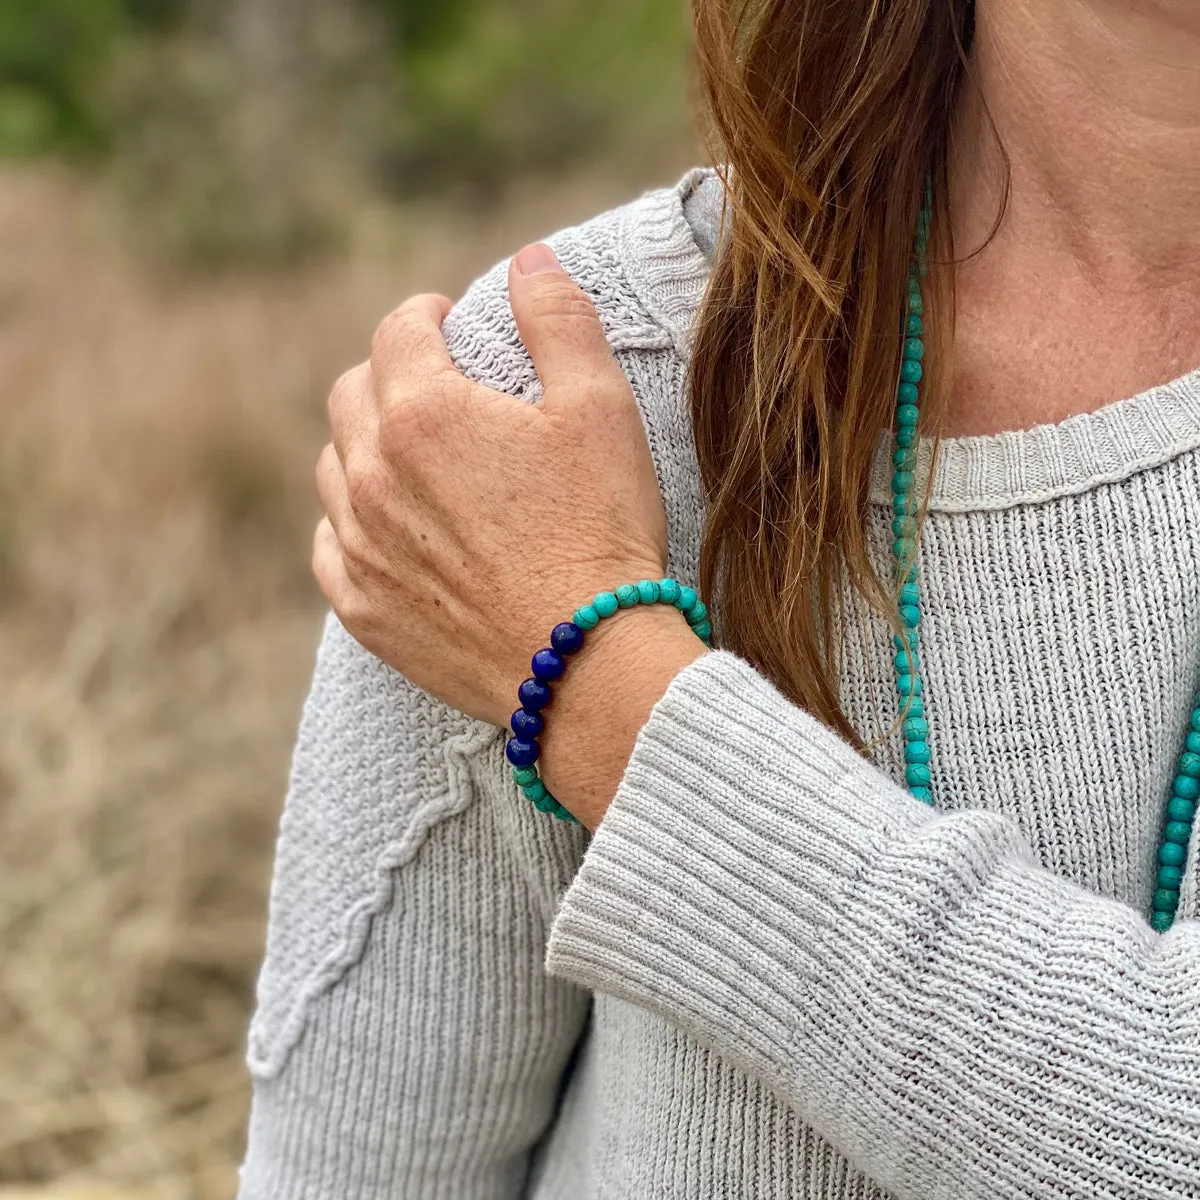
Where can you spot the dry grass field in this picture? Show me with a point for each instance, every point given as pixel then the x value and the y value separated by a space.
pixel 157 628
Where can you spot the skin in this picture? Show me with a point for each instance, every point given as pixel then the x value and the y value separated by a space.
pixel 436 556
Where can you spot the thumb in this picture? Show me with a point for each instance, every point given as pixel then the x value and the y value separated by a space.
pixel 557 322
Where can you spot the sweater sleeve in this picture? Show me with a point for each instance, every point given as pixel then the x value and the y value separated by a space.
pixel 958 1021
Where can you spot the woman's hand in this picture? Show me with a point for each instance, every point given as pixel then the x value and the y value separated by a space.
pixel 462 524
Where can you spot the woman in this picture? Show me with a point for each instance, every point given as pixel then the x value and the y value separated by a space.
pixel 808 949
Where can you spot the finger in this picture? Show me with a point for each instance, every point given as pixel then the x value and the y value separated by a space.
pixel 353 419
pixel 329 567
pixel 557 322
pixel 408 349
pixel 333 490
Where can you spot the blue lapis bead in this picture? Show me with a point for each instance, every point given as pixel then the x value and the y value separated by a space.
pixel 1178 832
pixel 915 326
pixel 605 603
pixel 1189 764
pixel 648 591
pixel 907 393
pixel 534 694
pixel 1179 809
pixel 922 793
pixel 547 666
pixel 586 617
pixel 1172 854
pixel 521 753
pixel 668 591
pixel 1170 877
pixel 914 349
pixel 527 725
pixel 566 638
pixel 910 372
pixel 917 775
pixel 687 599
pixel 1186 786
pixel 1161 922
pixel 916 752
pixel 627 595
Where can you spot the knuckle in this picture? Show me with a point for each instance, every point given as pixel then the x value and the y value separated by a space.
pixel 345 386
pixel 366 486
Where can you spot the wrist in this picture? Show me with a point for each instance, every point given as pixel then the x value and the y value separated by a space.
pixel 605 698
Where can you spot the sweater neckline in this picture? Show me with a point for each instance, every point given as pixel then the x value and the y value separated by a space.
pixel 977 472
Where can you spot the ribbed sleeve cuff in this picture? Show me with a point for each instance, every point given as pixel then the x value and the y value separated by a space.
pixel 712 890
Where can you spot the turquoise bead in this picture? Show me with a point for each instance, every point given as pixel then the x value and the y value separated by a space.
pixel 605 603
pixel 910 372
pixel 905 458
pixel 703 631
pixel 904 505
pixel 1186 786
pixel 1178 832
pixel 1189 764
pixel 907 685
pixel 1179 809
pixel 546 803
pixel 697 613
pixel 922 793
pixel 648 591
pixel 902 549
pixel 905 437
pixel 904 526
pixel 916 729
pixel 534 791
pixel 1172 854
pixel 902 660
pixel 907 416
pixel 913 706
pixel 916 327
pixel 1193 742
pixel 1161 922
pixel 525 775
pixel 910 594
pixel 914 349
pixel 1195 720
pixel 917 775
pixel 627 595
pixel 1170 877
pixel 668 591
pixel 912 637
pixel 902 481
pixel 907 393
pixel 687 599
pixel 910 615
pixel 916 752
pixel 1166 900
pixel 586 617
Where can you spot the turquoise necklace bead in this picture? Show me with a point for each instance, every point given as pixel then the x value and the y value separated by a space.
pixel 1180 813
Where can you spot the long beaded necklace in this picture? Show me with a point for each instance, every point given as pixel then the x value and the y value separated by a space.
pixel 1185 789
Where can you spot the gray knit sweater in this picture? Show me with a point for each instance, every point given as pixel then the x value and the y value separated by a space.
pixel 771 973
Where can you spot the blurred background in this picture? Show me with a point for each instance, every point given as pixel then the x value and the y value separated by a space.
pixel 205 208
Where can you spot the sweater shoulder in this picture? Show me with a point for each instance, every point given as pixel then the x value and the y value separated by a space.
pixel 640 264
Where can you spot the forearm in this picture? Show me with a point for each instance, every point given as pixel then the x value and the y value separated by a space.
pixel 957 1020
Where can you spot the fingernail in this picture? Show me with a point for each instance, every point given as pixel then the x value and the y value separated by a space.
pixel 537 260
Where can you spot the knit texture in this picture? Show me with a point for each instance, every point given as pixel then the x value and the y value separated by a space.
pixel 771 973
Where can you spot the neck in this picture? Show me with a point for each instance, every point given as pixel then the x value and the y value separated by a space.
pixel 1097 104
pixel 1088 291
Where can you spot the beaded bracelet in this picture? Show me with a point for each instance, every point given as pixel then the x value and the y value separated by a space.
pixel 549 664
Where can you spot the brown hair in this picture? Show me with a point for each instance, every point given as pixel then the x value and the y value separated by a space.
pixel 829 117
